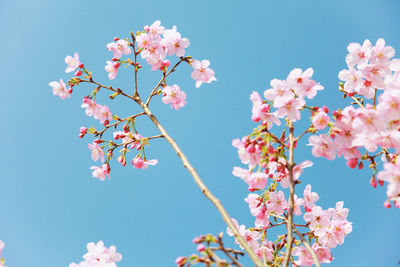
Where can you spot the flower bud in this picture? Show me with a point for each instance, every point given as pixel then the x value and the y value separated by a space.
pixel 352 163
pixel 381 182
pixel 78 73
pixel 122 160
pixel 386 204
pixel 373 182
pixel 116 39
pixel 81 66
pixel 201 248
pixel 180 261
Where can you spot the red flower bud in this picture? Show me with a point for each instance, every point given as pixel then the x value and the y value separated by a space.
pixel 373 182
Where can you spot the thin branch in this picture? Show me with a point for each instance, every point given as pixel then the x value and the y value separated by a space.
pixel 305 243
pixel 135 62
pixel 289 225
pixel 164 77
pixel 221 247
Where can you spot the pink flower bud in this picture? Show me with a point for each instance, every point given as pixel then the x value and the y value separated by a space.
pixel 201 248
pixel 381 182
pixel 70 90
pixel 106 122
pixel 352 163
pixel 116 39
pixel 78 73
pixel 386 204
pixel 98 141
pixel 81 66
pixel 180 261
pixel 122 160
pixel 82 132
pixel 198 239
pixel 373 182
pixel 138 163
pixel 397 204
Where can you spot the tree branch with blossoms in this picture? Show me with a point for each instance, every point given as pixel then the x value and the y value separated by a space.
pixel 268 151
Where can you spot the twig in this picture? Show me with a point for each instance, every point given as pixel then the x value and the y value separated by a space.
pixel 289 225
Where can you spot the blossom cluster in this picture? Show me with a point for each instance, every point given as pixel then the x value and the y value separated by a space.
pixel 268 169
pixel 99 256
pixel 208 246
pixel 153 44
pixel 372 125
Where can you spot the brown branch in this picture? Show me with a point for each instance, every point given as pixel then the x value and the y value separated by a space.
pixel 223 249
pixel 164 77
pixel 289 225
pixel 305 243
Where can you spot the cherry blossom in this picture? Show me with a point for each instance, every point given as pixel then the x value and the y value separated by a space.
pixel 202 73
pixel 72 62
pixel 112 69
pixel 99 256
pixel 97 152
pixel 101 172
pixel 119 48
pixel 60 89
pixel 175 96
pixel 140 163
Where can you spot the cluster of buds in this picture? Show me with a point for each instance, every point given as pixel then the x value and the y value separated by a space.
pixel 211 250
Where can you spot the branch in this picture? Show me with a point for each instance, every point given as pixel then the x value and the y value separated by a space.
pixel 305 243
pixel 163 78
pixel 289 225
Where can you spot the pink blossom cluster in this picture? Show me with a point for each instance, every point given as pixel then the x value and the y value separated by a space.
pixel 267 161
pixel 99 112
pixel 373 126
pixel 156 42
pixel 286 96
pixel 175 96
pixel 99 256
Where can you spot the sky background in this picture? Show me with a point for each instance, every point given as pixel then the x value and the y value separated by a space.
pixel 51 207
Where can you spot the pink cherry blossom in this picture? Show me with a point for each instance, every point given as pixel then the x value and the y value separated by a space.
pixel 103 114
pixel 291 109
pixel 321 120
pixel 72 62
pixel 309 198
pixel 302 83
pixel 324 255
pixel 140 163
pixel 60 89
pixel 323 146
pixel 202 73
pixel 99 256
pixel 317 217
pixel 174 95
pixel 97 152
pixel 382 54
pixel 391 174
pixel 358 54
pixel 155 30
pixel 257 180
pixel 112 69
pixel 280 93
pixel 119 48
pixel 101 172
pixel 174 43
pixel 90 105
pixel 277 202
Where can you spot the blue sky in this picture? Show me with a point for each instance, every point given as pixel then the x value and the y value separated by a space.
pixel 51 206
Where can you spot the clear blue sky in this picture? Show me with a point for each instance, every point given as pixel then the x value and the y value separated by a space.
pixel 51 206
